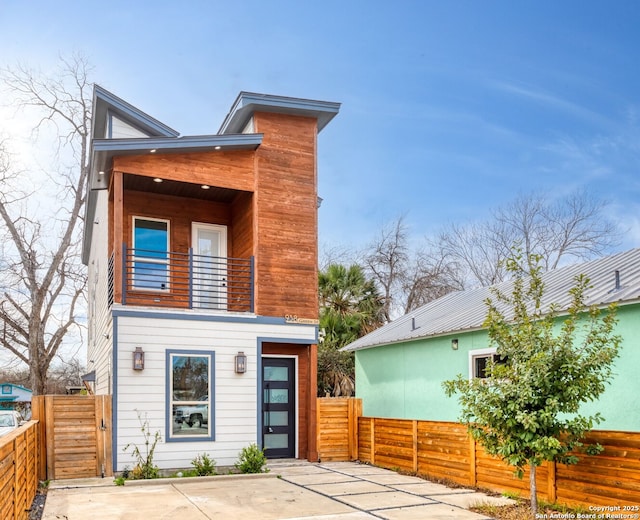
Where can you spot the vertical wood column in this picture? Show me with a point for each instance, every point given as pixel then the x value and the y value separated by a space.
pixel 312 425
pixel 118 233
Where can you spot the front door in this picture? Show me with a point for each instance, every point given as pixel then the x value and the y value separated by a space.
pixel 278 407
pixel 209 266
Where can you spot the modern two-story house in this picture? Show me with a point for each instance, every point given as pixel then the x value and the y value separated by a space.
pixel 202 260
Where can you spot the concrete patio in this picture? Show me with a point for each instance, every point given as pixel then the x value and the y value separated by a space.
pixel 292 490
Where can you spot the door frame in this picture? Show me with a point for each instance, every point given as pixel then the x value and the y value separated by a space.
pixel 296 432
pixel 223 253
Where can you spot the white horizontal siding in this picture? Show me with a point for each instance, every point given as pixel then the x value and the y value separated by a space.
pixel 120 129
pixel 236 400
pixel 100 322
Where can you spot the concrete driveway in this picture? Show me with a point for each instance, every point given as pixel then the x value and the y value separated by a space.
pixel 292 490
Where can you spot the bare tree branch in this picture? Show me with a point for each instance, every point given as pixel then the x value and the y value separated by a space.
pixel 574 227
pixel 42 252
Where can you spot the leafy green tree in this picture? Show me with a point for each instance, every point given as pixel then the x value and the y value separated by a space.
pixel 528 409
pixel 350 307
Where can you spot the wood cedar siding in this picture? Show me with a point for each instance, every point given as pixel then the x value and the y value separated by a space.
pixel 286 219
pixel 306 393
pixel 181 212
pixel 233 170
pixel 241 233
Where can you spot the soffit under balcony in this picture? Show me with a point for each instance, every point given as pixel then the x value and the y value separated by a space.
pixel 178 189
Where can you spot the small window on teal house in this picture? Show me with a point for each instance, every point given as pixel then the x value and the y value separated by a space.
pixel 6 389
pixel 478 361
pixel 190 396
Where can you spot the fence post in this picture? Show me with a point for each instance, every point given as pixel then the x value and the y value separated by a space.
pixel 37 414
pixel 352 422
pixel 373 441
pixel 551 481
pixel 415 446
pixel 50 433
pixel 472 461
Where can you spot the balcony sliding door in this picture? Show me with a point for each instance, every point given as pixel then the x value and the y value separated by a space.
pixel 209 266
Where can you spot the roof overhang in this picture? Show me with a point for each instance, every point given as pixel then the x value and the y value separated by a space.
pixel 247 103
pixel 104 150
pixel 104 103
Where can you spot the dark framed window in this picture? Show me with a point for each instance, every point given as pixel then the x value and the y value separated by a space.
pixel 190 395
pixel 151 253
pixel 478 361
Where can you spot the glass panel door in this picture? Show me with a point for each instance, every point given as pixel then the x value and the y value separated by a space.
pixel 209 266
pixel 278 407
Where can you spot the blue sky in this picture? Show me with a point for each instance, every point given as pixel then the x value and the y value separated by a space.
pixel 449 108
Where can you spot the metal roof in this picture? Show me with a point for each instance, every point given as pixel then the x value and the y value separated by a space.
pixel 463 311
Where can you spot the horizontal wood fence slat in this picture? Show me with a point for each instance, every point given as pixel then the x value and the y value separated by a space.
pixel 19 471
pixel 337 426
pixel 445 450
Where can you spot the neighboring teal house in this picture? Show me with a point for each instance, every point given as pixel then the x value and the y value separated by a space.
pixel 12 395
pixel 400 367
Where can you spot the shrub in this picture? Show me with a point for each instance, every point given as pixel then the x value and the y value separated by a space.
pixel 204 465
pixel 252 460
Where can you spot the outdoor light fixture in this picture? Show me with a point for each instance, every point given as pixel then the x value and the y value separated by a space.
pixel 241 363
pixel 454 344
pixel 157 179
pixel 138 359
pixel 205 186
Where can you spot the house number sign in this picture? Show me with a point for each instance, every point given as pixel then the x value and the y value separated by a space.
pixel 293 318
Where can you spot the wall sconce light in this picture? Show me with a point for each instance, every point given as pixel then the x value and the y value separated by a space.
pixel 454 344
pixel 138 359
pixel 241 363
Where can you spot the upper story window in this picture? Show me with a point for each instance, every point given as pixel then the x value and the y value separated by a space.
pixel 151 253
pixel 478 360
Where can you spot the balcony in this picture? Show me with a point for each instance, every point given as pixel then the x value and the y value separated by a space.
pixel 182 280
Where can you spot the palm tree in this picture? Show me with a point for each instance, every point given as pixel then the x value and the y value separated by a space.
pixel 350 307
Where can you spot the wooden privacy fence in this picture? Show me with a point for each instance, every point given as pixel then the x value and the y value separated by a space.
pixel 19 471
pixel 445 450
pixel 77 429
pixel 337 426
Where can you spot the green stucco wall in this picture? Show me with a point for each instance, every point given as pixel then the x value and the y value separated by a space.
pixel 404 381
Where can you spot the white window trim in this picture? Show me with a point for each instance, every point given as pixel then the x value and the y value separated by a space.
pixel 151 260
pixel 473 354
pixel 210 436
